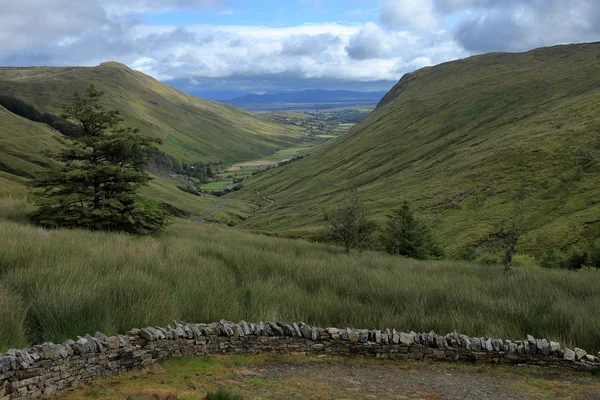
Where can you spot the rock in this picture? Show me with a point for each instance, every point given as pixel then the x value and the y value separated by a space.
pixel 306 332
pixel 112 342
pixel 554 346
pixel 377 336
pixel 569 354
pixel 146 334
pixel 363 336
pixel 406 339
pixel 277 331
pixel 590 358
pixel 579 353
pixel 245 328
pixel 353 336
pixel 395 337
pixel 531 339
pixel 333 331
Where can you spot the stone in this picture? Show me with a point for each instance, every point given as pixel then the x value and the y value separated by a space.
pixel 296 329
pixel 406 338
pixel 306 332
pixel 554 346
pixel 245 328
pixel 333 331
pixel 146 334
pixel 579 353
pixel 276 329
pixel 590 358
pixel 353 336
pixel 569 354
pixel 377 335
pixel 344 334
pixel 395 337
pixel 112 342
pixel 363 336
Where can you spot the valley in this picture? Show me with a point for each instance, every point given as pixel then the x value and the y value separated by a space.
pixel 239 209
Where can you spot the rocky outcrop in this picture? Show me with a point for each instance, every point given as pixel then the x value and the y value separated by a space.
pixel 46 368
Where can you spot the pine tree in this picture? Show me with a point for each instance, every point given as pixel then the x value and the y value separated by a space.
pixel 98 185
pixel 405 235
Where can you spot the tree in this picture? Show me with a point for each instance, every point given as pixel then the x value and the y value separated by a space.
pixel 406 235
pixel 509 239
pixel 97 187
pixel 349 225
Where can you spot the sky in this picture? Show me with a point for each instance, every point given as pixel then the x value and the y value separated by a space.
pixel 224 47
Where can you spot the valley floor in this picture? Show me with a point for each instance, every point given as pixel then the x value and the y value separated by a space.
pixel 300 377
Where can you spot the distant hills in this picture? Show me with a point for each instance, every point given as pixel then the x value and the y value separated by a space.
pixel 307 100
pixel 192 129
pixel 460 141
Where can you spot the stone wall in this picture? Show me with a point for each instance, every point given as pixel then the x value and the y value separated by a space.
pixel 50 367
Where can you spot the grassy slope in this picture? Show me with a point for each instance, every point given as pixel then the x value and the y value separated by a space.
pixel 59 284
pixel 459 140
pixel 191 128
pixel 23 142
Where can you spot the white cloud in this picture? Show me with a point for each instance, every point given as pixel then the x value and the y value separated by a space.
pixel 413 34
pixel 415 14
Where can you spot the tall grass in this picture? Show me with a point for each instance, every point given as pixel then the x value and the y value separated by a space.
pixel 59 284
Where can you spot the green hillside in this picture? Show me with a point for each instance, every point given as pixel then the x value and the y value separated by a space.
pixel 22 147
pixel 192 129
pixel 460 140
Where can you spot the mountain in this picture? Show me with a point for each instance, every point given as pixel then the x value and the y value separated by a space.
pixel 307 99
pixel 460 141
pixel 192 129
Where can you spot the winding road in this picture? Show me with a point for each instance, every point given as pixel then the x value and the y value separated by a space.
pixel 211 212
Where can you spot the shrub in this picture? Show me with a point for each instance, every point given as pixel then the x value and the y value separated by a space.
pixel 554 259
pixel 489 259
pixel 466 253
pixel 525 261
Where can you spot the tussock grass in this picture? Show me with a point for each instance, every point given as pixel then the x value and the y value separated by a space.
pixel 59 284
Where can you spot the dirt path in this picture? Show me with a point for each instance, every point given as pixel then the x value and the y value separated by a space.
pixel 266 198
pixel 301 377
pixel 211 212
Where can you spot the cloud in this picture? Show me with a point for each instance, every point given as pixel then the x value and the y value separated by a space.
pixel 522 25
pixel 410 34
pixel 416 14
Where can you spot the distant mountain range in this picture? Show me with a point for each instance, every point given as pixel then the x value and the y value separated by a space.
pixel 306 100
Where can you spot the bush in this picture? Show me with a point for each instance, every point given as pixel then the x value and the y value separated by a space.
pixel 466 253
pixel 555 259
pixel 489 259
pixel 221 394
pixel 525 261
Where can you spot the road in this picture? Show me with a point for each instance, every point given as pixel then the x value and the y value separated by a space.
pixel 211 212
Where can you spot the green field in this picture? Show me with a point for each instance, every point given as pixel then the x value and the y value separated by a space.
pixel 58 284
pixel 215 185
pixel 460 141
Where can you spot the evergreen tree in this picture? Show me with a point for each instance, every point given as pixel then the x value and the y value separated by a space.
pixel 98 185
pixel 405 235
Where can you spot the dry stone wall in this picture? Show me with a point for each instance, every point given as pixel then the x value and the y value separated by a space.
pixel 49 367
